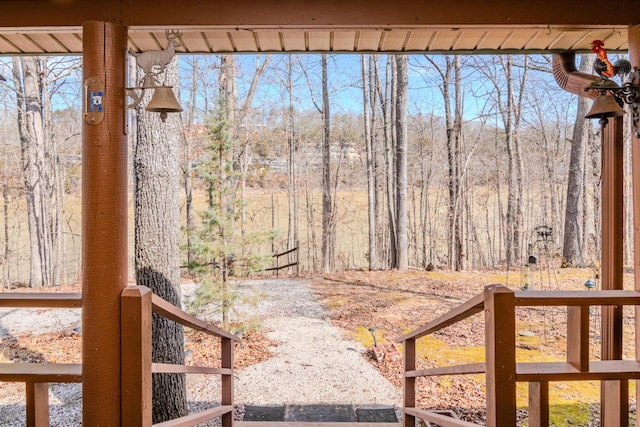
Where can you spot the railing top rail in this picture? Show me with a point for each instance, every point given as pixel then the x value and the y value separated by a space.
pixel 576 298
pixel 172 312
pixel 40 300
pixel 441 419
pixel 194 419
pixel 461 312
pixel 529 299
pixel 41 372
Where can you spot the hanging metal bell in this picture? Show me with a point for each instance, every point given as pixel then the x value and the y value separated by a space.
pixel 605 105
pixel 164 101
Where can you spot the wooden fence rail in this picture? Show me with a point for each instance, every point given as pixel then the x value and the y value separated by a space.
pixel 502 370
pixel 278 267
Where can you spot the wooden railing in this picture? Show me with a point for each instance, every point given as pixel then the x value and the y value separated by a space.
pixel 500 366
pixel 37 376
pixel 137 305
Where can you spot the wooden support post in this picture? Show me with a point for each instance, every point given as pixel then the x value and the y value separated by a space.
pixel 104 219
pixel 634 57
pixel 227 380
pixel 614 405
pixel 136 310
pixel 500 330
pixel 538 404
pixel 37 404
pixel 409 393
pixel 578 337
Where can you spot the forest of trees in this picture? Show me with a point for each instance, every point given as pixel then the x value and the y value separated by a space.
pixel 380 161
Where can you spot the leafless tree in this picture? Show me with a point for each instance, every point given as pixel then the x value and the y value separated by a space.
pixel 43 179
pixel 402 145
pixel 371 155
pixel 572 247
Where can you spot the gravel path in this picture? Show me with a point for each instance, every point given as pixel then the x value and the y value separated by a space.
pixel 313 363
pixel 23 321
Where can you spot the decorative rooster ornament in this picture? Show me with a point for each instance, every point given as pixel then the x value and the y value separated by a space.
pixel 603 67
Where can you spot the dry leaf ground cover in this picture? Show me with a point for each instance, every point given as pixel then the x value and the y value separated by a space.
pixel 396 303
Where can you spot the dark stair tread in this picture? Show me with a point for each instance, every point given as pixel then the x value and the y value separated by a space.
pixel 318 413
pixel 263 413
pixel 376 415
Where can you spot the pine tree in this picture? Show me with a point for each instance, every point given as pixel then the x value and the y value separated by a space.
pixel 218 237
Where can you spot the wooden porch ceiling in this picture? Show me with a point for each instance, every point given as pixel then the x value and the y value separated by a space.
pixel 251 26
pixel 347 40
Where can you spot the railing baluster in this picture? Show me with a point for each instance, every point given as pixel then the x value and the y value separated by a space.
pixel 578 337
pixel 409 393
pixel 227 380
pixel 538 404
pixel 136 309
pixel 500 339
pixel 37 404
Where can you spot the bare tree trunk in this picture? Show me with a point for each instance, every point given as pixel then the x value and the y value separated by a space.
pixel 328 221
pixel 453 182
pixel 453 121
pixel 584 218
pixel 54 189
pixel 292 189
pixel 241 135
pixel 458 200
pixel 371 181
pixel 375 151
pixel 511 114
pixel 402 147
pixel 187 166
pixel 387 100
pixel 5 211
pixel 156 167
pixel 39 163
pixel 595 160
pixel 426 171
pixel 571 249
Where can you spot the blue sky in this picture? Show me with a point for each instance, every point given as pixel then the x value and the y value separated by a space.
pixel 425 84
